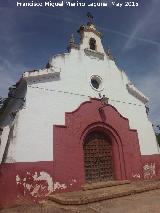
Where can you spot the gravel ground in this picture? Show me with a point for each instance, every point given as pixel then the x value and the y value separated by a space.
pixel 148 202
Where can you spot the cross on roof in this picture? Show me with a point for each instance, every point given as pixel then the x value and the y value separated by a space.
pixel 90 17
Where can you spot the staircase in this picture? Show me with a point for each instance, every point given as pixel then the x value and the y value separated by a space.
pixel 95 192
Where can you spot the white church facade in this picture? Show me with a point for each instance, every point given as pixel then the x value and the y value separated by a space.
pixel 78 120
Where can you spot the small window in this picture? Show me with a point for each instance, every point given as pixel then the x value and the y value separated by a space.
pixel 92 44
pixel 96 82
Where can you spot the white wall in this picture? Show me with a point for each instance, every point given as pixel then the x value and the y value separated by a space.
pixel 4 138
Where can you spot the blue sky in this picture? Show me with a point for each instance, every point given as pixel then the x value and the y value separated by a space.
pixel 30 36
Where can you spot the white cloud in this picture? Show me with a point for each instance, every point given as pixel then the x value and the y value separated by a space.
pixel 125 35
pixel 147 23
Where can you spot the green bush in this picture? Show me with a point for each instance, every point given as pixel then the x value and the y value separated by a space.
pixel 158 138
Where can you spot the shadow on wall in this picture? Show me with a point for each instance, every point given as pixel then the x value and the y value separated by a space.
pixel 9 116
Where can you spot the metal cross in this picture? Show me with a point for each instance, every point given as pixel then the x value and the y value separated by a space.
pixel 90 17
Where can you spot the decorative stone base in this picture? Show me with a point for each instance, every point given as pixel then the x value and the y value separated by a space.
pixel 98 185
pixel 91 196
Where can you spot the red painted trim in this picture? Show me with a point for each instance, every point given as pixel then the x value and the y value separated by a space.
pixel 11 189
pixel 151 166
pixel 68 143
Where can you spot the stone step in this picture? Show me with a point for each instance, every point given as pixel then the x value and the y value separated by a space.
pixel 103 184
pixel 91 196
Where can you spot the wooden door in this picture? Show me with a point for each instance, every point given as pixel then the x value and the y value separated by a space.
pixel 98 158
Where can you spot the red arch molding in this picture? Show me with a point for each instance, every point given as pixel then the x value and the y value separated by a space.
pixel 68 143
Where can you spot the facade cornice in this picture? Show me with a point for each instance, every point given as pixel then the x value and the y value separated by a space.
pixel 109 55
pixel 136 93
pixel 93 53
pixel 73 46
pixel 48 72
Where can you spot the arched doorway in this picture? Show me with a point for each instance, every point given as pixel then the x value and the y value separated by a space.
pixel 98 160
